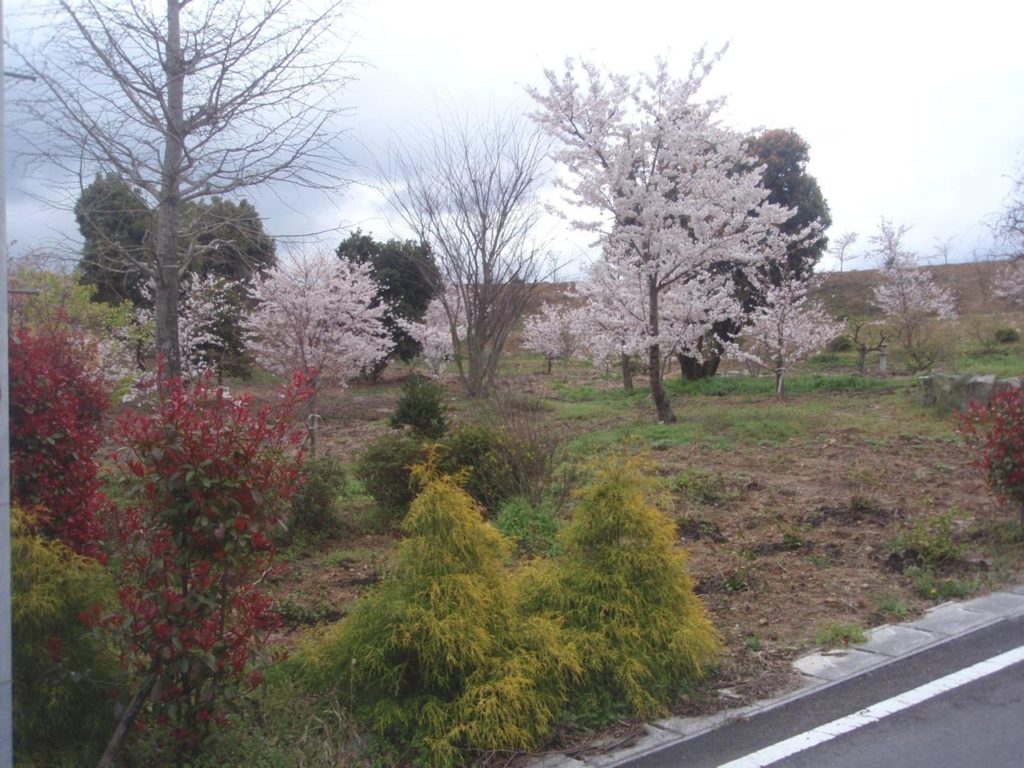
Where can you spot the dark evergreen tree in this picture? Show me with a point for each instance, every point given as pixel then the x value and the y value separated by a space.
pixel 408 277
pixel 784 155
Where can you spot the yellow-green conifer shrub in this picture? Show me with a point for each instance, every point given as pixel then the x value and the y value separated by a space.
pixel 63 672
pixel 437 657
pixel 623 591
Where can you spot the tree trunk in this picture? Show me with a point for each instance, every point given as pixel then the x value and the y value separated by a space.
pixel 862 359
pixel 168 262
pixel 661 402
pixel 627 372
pixel 780 382
pixel 693 369
pixel 549 366
pixel 665 413
pixel 128 719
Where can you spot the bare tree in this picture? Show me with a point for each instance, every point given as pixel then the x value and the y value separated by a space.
pixel 842 248
pixel 469 192
pixel 1010 226
pixel 196 99
pixel 942 248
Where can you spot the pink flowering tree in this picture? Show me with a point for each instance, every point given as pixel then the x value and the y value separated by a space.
pixel 319 316
pixel 1010 282
pixel 435 334
pixel 611 324
pixel 209 308
pixel 554 332
pixel 667 189
pixel 910 297
pixel 785 330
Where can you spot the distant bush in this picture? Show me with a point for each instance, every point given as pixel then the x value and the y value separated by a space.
pixel 1007 335
pixel 531 526
pixel 314 505
pixel 385 470
pixel 63 672
pixel 438 658
pixel 625 597
pixel 841 344
pixel 529 445
pixel 421 407
pixel 481 452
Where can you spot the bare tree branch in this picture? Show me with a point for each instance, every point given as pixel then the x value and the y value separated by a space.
pixel 469 192
pixel 197 99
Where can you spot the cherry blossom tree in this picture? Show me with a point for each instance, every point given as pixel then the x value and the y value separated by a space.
pixel 669 191
pixel 319 316
pixel 554 332
pixel 909 297
pixel 1010 282
pixel 208 306
pixel 612 326
pixel 786 330
pixel 435 334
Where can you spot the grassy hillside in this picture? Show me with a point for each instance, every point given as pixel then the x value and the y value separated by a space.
pixel 849 293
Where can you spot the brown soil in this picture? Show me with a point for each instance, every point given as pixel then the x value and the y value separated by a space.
pixel 801 538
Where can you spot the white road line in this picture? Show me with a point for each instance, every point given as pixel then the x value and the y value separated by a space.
pixel 876 712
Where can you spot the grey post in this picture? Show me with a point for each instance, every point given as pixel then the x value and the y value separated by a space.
pixel 6 703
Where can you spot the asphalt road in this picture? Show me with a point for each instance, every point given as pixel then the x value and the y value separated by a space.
pixel 977 724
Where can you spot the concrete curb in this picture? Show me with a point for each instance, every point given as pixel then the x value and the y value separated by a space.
pixel 886 644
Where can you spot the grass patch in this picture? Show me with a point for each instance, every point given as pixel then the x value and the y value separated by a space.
pixel 932 586
pixel 796 384
pixel 834 634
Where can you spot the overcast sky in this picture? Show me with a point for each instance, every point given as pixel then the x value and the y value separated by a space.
pixel 914 111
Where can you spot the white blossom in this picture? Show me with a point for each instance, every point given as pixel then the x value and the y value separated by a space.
pixel 555 332
pixel 319 315
pixel 669 191
pixel 785 330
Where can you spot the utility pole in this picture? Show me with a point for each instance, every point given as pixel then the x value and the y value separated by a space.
pixel 6 698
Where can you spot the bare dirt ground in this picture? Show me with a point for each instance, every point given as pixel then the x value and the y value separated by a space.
pixel 783 540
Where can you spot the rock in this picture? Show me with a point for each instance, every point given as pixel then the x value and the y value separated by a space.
pixel 956 392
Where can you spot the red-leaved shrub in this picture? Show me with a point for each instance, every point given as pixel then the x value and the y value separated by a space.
pixel 206 478
pixel 57 400
pixel 996 435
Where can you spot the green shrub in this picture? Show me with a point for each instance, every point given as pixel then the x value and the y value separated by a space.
pixel 625 597
pixel 700 486
pixel 1007 335
pixel 931 586
pixel 63 673
pixel 480 450
pixel 421 407
pixel 437 657
pixel 928 542
pixel 385 470
pixel 841 344
pixel 529 444
pixel 314 506
pixel 531 526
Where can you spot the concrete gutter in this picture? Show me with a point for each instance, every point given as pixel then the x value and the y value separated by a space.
pixel 885 645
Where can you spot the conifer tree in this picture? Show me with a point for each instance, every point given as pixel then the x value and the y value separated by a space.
pixel 438 657
pixel 622 589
